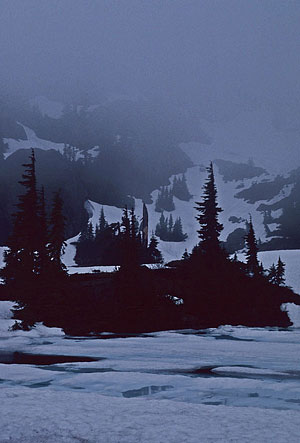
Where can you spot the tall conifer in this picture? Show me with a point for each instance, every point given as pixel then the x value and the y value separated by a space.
pixel 280 271
pixel 208 213
pixel 22 257
pixel 253 266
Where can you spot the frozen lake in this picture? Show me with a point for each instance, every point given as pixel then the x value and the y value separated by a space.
pixel 231 384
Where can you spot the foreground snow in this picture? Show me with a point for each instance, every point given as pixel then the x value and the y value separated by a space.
pixel 72 417
pixel 217 385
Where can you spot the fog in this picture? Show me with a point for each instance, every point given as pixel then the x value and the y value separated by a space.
pixel 206 53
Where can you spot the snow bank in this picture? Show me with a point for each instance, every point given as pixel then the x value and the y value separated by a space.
pixel 151 388
pixel 72 416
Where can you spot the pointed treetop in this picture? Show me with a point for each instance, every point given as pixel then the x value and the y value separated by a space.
pixel 208 213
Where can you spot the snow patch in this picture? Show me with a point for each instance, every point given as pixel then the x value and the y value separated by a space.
pixel 32 142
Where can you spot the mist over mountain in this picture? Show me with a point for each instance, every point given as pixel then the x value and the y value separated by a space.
pixel 201 54
pixel 119 97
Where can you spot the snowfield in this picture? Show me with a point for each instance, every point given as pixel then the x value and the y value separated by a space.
pixel 93 418
pixel 217 385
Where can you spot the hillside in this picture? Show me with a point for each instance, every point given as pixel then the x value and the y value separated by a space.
pixel 123 151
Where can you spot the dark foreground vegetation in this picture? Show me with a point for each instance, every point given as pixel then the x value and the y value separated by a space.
pixel 204 289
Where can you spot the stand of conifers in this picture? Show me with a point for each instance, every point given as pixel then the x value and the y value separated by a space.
pixel 204 289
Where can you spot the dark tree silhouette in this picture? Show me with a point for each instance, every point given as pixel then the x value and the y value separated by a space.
pixel 145 223
pixel 129 241
pixel 162 227
pixel 280 273
pixel 208 212
pixel 102 221
pixel 164 201
pixel 167 230
pixel 177 231
pixel 153 254
pixel 271 274
pixel 253 266
pixel 22 258
pixel 180 189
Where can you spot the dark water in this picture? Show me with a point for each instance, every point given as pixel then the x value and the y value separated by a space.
pixel 21 358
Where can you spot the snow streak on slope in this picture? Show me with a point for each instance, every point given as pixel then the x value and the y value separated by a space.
pixel 32 142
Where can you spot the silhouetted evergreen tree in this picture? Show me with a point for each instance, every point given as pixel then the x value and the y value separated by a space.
pixel 253 265
pixel 170 223
pixel 116 243
pixel 22 262
pixel 208 213
pixel 177 232
pixel 144 226
pixel 180 189
pixel 164 201
pixel 167 230
pixel 162 227
pixel 102 221
pixel 133 226
pixel 272 274
pixel 280 273
pixel 129 240
pixel 153 254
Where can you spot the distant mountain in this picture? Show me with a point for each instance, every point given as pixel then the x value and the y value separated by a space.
pixel 122 152
pixel 108 153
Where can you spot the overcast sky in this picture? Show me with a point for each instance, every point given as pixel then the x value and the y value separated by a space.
pixel 202 50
